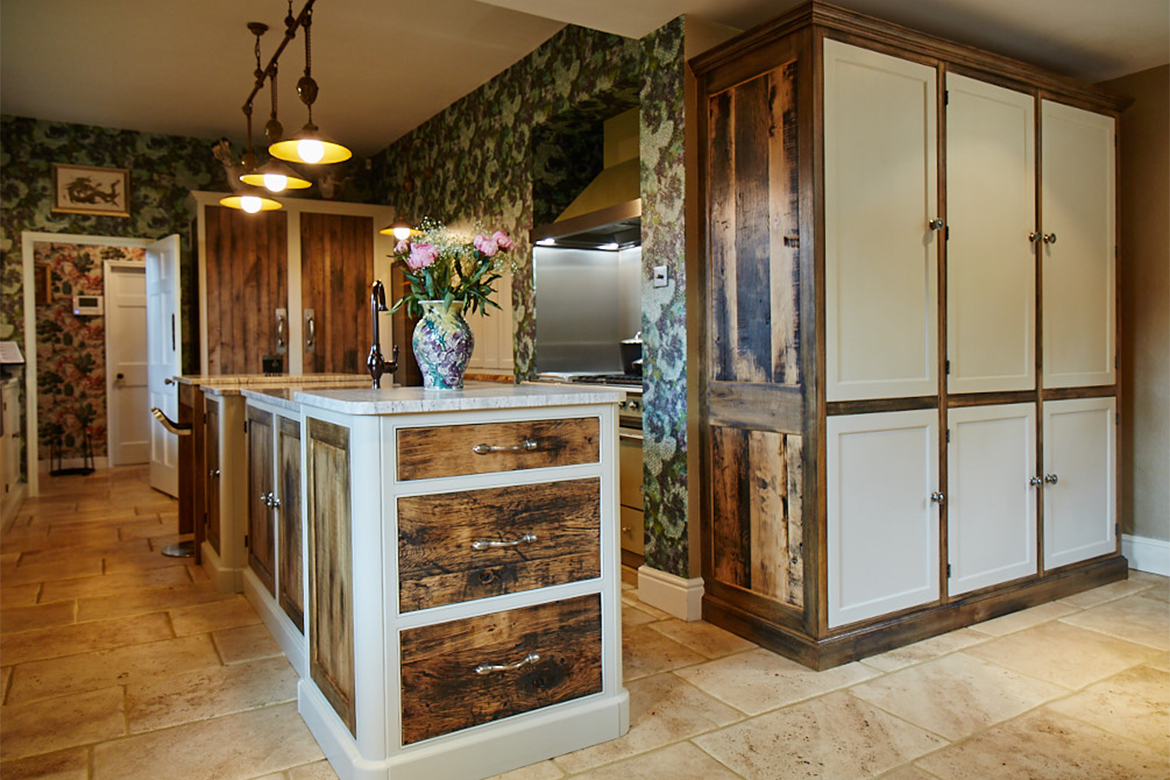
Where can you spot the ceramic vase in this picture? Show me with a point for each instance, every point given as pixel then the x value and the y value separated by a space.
pixel 442 343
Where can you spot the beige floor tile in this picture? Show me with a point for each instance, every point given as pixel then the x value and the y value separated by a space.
pixel 1136 618
pixel 49 573
pixel 5 679
pixel 208 693
pixel 645 652
pixel 925 650
pixel 631 597
pixel 711 641
pixel 65 524
pixel 1106 593
pixel 123 665
pixel 1161 662
pixel 683 761
pixel 141 561
pixel 1064 654
pixel 1161 585
pixel 69 556
pixel 20 595
pixel 318 770
pixel 1025 618
pixel 632 616
pixel 663 709
pixel 1045 745
pixel 908 772
pixel 9 558
pixel 83 538
pixel 219 615
pixel 545 770
pixel 147 530
pixel 92 587
pixel 57 724
pixel 833 736
pixel 70 764
pixel 78 638
pixel 759 680
pixel 234 747
pixel 956 695
pixel 148 600
pixel 246 643
pixel 15 619
pixel 1134 704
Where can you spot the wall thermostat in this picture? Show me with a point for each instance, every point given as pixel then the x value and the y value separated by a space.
pixel 88 305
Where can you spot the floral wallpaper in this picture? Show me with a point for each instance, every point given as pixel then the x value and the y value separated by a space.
pixel 71 351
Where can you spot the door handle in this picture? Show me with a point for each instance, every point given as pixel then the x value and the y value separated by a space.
pixel 310 330
pixel 168 381
pixel 281 331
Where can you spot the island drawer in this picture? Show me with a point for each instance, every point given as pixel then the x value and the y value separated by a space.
pixel 473 671
pixel 471 544
pixel 483 448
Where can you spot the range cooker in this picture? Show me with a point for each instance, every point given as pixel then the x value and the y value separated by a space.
pixel 629 410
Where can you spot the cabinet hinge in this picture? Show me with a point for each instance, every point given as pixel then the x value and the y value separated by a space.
pixel 1117 529
pixel 245 426
pixel 946 97
pixel 948 571
pixel 1117 418
pixel 247 542
pixel 947 233
pixel 1117 361
pixel 948 367
pixel 1116 251
pixel 948 435
pixel 205 418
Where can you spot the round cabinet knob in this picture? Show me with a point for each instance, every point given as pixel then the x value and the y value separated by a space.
pixel 1036 481
pixel 936 223
pixel 1034 237
pixel 938 498
pixel 1049 238
pixel 1051 479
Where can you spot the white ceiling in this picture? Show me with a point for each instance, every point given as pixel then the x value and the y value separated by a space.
pixel 385 66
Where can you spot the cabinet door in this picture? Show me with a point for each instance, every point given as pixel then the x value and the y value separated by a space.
pixel 991 505
pixel 882 523
pixel 211 450
pixel 337 267
pixel 1080 474
pixel 1077 208
pixel 991 208
pixel 881 193
pixel 261 541
pixel 290 534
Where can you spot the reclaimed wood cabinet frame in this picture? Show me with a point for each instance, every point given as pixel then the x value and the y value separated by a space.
pixel 796 408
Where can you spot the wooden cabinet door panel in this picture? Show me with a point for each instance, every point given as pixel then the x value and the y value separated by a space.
pixel 337 269
pixel 991 266
pixel 291 559
pixel 211 457
pixel 991 505
pixel 261 537
pixel 881 192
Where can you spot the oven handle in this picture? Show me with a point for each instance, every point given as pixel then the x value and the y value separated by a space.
pixel 629 436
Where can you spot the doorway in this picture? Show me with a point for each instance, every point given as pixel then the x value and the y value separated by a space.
pixel 127 399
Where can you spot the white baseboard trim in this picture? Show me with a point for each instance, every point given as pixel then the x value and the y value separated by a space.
pixel 1145 554
pixel 674 595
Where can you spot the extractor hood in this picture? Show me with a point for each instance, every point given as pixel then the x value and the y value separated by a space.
pixel 614 227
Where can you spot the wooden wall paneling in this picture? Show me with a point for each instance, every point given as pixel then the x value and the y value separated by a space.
pixel 217 259
pixel 242 296
pixel 337 268
pixel 768 499
pixel 291 534
pixel 752 312
pixel 721 238
pixel 784 224
pixel 730 519
pixel 408 373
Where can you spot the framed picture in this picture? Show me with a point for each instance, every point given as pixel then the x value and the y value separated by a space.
pixel 79 190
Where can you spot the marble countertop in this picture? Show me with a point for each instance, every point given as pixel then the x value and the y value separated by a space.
pixel 474 396
pixel 283 396
pixel 232 384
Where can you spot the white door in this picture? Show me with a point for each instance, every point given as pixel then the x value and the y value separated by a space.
pixel 1080 473
pixel 991 210
pixel 881 196
pixel 1077 214
pixel 883 515
pixel 164 339
pixel 128 410
pixel 991 501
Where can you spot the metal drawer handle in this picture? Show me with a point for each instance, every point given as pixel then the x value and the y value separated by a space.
pixel 527 446
pixel 531 658
pixel 484 544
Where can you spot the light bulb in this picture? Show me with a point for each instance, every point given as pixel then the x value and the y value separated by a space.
pixel 275 182
pixel 310 150
pixel 250 203
pixel 402 233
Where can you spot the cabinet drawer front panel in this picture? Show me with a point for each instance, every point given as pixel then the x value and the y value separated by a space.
pixel 436 533
pixel 991 207
pixel 448 451
pixel 991 507
pixel 291 561
pixel 881 192
pixel 442 692
pixel 1080 508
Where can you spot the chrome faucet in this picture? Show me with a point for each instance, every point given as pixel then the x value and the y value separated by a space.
pixel 375 363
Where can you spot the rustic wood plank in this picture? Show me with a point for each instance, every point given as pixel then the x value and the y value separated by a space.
pixel 752 312
pixel 243 295
pixel 721 241
pixel 760 407
pixel 731 514
pixel 214 271
pixel 447 451
pixel 261 531
pixel 292 553
pixel 768 521
pixel 337 261
pixel 211 443
pixel 784 234
pixel 794 510
pixel 442 693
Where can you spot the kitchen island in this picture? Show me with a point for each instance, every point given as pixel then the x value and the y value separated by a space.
pixel 461 594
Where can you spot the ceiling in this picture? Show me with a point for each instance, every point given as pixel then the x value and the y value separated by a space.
pixel 385 66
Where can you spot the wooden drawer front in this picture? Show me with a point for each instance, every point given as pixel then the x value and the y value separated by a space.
pixel 438 562
pixel 443 692
pixel 450 450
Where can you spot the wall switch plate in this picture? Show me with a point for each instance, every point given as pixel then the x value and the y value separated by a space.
pixel 660 276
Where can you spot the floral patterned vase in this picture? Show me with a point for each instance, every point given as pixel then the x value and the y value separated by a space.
pixel 442 345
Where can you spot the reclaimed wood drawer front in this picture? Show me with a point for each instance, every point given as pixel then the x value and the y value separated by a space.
pixel 468 672
pixel 472 544
pixel 456 450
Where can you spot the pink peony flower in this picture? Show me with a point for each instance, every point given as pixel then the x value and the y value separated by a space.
pixel 422 256
pixel 486 245
pixel 503 240
pixel 401 246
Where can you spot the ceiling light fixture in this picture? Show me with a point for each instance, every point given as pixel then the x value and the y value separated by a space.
pixel 401 229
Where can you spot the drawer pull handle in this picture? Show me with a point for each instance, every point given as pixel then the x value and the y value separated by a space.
pixel 484 544
pixel 531 658
pixel 527 446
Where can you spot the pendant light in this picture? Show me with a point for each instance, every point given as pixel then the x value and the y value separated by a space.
pixel 274 175
pixel 250 198
pixel 401 229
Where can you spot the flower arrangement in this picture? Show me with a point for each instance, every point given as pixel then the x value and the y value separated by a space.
pixel 441 265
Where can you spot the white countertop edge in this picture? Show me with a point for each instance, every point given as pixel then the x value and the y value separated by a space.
pixel 416 400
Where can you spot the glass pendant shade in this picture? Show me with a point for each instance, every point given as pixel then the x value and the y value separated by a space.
pixel 251 200
pixel 310 145
pixel 275 176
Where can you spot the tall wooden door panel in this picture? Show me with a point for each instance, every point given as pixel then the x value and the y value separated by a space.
pixel 991 503
pixel 991 210
pixel 290 535
pixel 261 529
pixel 881 195
pixel 247 281
pixel 882 522
pixel 337 269
pixel 211 450
pixel 1077 214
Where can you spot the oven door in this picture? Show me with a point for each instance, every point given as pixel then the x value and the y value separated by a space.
pixel 632 524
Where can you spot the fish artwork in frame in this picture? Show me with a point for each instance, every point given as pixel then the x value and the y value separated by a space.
pixel 82 190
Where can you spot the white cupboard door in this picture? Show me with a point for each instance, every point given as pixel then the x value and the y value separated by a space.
pixel 881 194
pixel 882 520
pixel 991 503
pixel 991 210
pixel 1077 218
pixel 164 349
pixel 1080 474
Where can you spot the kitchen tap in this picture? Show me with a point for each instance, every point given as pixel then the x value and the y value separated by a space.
pixel 375 363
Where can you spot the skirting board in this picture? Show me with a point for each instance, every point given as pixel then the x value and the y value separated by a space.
pixel 674 595
pixel 1145 554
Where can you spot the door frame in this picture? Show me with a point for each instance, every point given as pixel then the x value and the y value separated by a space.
pixel 111 417
pixel 27 239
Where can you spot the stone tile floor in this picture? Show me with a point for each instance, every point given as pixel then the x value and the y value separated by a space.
pixel 119 664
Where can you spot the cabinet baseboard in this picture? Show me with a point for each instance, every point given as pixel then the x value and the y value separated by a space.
pixel 675 595
pixel 1146 554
